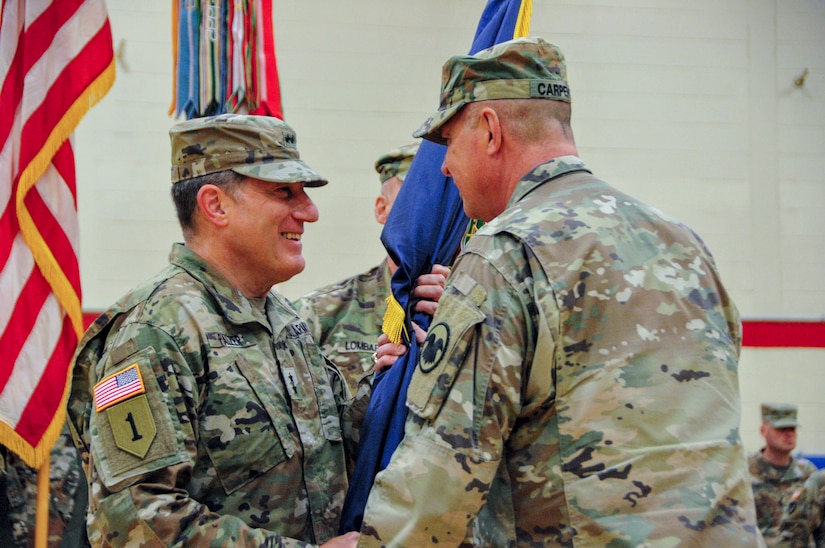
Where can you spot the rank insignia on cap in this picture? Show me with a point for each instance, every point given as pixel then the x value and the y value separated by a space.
pixel 118 387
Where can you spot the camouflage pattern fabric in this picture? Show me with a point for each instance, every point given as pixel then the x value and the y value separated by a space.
pixel 396 163
pixel 578 386
pixel 523 68
pixel 233 437
pixel 262 147
pixel 803 522
pixel 345 320
pixel 66 481
pixel 779 415
pixel 772 491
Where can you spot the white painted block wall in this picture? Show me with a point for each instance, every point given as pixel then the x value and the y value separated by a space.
pixel 690 106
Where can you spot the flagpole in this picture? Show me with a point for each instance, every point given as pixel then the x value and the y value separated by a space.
pixel 41 528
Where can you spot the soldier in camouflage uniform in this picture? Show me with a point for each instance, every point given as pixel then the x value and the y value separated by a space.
pixel 803 522
pixel 67 501
pixel 204 412
pixel 775 473
pixel 345 317
pixel 578 385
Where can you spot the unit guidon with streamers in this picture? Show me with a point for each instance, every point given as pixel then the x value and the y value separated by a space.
pixel 118 387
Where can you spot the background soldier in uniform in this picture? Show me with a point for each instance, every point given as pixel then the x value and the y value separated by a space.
pixel 345 318
pixel 204 412
pixel 578 385
pixel 775 472
pixel 803 523
pixel 68 498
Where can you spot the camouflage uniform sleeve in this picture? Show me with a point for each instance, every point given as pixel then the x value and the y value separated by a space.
pixel 804 517
pixel 143 450
pixel 464 399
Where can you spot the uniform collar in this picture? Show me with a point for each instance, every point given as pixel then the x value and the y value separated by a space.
pixel 545 172
pixel 234 306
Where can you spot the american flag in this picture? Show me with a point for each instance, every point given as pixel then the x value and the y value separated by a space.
pixel 56 61
pixel 118 387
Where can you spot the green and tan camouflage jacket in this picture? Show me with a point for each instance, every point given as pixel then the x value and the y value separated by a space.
pixel 578 386
pixel 205 418
pixel 772 491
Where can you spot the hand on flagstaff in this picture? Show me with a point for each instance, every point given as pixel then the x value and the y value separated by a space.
pixel 429 288
pixel 420 334
pixel 387 353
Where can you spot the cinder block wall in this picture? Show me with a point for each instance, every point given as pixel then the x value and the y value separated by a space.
pixel 689 106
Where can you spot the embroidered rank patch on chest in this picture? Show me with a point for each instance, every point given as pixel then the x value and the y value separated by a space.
pixel 118 387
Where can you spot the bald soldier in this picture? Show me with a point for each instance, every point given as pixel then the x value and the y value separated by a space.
pixel 578 384
pixel 775 473
pixel 203 410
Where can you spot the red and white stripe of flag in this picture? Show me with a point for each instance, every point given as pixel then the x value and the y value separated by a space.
pixel 56 61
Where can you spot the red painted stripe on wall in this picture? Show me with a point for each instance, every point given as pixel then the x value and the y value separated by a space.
pixel 778 334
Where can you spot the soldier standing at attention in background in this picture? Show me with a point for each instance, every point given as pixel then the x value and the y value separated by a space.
pixel 203 410
pixel 578 385
pixel 345 318
pixel 775 472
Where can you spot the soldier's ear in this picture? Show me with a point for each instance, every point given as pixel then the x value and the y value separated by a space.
pixel 213 204
pixel 490 122
pixel 382 209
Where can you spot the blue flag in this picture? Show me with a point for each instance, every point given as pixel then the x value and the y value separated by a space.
pixel 425 227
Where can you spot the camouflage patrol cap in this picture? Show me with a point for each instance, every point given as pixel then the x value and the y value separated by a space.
pixel 524 68
pixel 261 147
pixel 779 415
pixel 396 163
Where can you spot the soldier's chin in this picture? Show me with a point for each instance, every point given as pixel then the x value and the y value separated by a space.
pixel 296 268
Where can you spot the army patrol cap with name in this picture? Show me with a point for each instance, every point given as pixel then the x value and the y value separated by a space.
pixel 779 415
pixel 524 68
pixel 261 147
pixel 396 163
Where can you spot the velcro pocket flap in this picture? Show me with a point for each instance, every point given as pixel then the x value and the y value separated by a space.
pixel 447 343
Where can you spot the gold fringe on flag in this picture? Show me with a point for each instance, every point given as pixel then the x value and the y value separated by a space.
pixel 523 21
pixel 393 324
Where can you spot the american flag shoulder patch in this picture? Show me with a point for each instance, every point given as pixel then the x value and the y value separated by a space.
pixel 118 387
